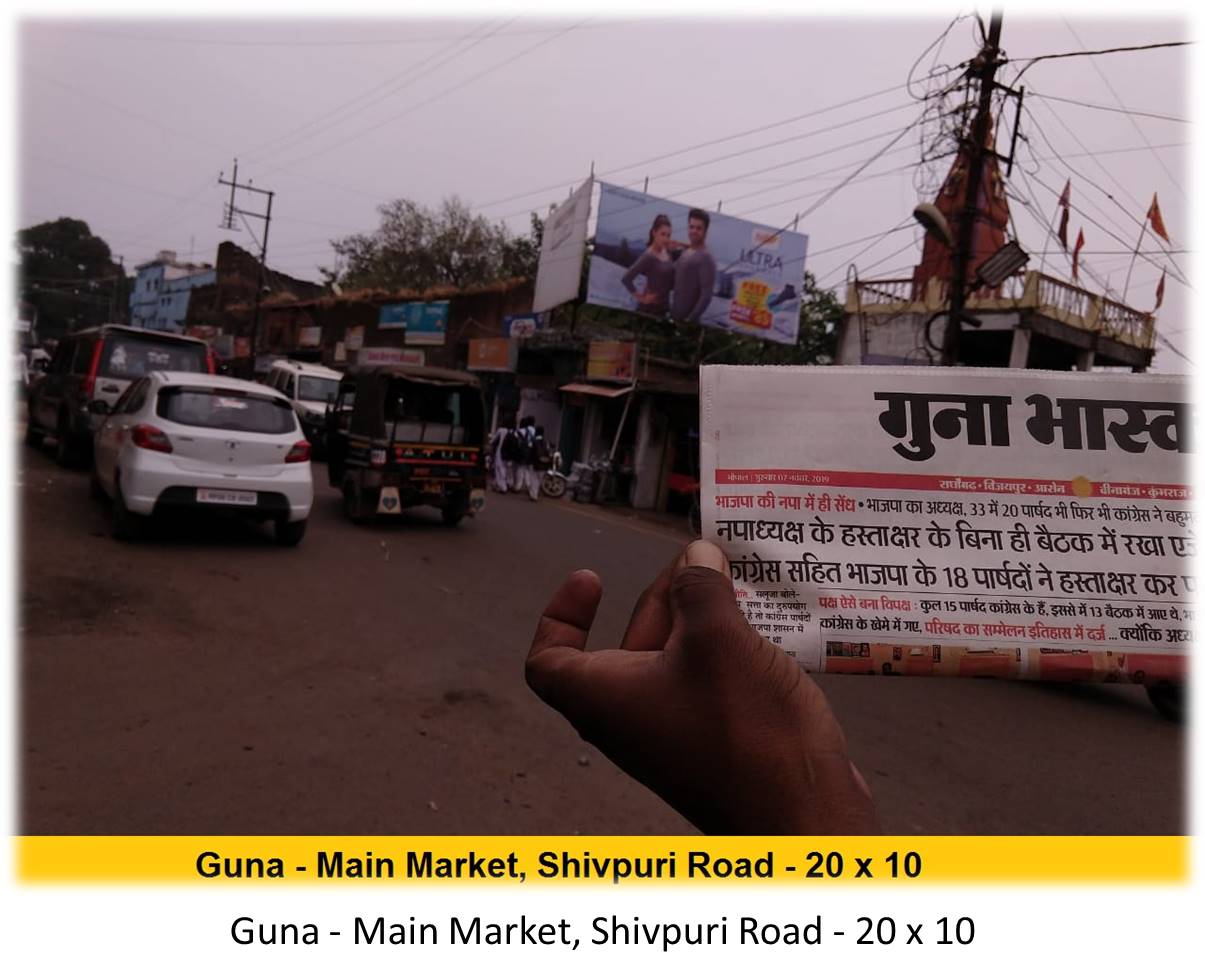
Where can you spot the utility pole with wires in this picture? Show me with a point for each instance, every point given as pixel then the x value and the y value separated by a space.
pixel 984 66
pixel 118 284
pixel 228 214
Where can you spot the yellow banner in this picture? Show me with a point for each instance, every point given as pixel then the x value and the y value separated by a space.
pixel 601 860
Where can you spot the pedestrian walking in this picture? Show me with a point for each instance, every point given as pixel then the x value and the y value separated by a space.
pixel 510 452
pixel 526 467
pixel 498 452
pixel 541 459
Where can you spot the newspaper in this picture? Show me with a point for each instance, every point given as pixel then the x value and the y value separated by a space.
pixel 956 522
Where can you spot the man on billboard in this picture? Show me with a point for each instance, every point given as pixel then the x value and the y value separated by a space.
pixel 694 272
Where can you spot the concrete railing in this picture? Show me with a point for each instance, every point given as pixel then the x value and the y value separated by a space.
pixel 1032 292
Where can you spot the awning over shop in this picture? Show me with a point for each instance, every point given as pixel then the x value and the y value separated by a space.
pixel 602 391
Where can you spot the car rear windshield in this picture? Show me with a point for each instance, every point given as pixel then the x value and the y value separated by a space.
pixel 221 408
pixel 128 357
pixel 313 389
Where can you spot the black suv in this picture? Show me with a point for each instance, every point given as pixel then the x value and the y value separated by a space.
pixel 98 364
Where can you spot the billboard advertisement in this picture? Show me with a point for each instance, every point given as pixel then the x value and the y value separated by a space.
pixel 671 260
pixel 562 250
pixel 424 323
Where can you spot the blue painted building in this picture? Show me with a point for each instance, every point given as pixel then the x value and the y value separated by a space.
pixel 159 300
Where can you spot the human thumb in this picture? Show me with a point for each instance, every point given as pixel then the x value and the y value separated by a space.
pixel 701 598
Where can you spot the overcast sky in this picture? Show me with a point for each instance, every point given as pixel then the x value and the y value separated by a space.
pixel 127 123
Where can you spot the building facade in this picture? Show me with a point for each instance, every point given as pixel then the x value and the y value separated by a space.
pixel 162 290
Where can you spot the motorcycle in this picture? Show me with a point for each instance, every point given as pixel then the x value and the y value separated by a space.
pixel 554 482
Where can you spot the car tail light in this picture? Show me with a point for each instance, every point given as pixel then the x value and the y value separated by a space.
pixel 300 452
pixel 210 364
pixel 88 385
pixel 148 437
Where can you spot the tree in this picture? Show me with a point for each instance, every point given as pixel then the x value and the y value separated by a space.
pixel 67 274
pixel 417 247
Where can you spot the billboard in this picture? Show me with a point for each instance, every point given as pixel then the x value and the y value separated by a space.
pixel 670 260
pixel 355 337
pixel 424 323
pixel 611 360
pixel 562 250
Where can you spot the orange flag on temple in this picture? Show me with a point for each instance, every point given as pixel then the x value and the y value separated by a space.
pixel 1065 204
pixel 1079 243
pixel 1155 217
pixel 1159 290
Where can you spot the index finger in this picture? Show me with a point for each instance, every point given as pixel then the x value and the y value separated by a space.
pixel 567 618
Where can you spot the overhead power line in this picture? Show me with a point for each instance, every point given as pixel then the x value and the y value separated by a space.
pixel 1087 217
pixel 1082 54
pixel 410 38
pixel 1031 94
pixel 1133 122
pixel 391 86
pixel 439 95
pixel 615 171
pixel 1134 220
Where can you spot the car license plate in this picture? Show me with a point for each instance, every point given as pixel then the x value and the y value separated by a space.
pixel 432 487
pixel 242 498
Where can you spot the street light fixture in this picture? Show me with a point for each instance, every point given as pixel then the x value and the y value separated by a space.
pixel 992 271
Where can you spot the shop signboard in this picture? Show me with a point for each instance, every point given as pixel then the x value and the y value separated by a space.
pixel 611 360
pixel 493 354
pixel 523 325
pixel 424 323
pixel 378 356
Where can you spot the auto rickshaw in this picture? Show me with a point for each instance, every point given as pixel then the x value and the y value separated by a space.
pixel 401 436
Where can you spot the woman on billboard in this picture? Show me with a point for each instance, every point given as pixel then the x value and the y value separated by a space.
pixel 656 264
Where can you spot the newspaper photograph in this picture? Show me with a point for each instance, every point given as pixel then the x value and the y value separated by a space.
pixel 956 522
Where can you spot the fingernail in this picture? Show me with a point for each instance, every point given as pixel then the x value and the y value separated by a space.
pixel 704 554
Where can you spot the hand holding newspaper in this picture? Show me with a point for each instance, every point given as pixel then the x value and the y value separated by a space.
pixel 956 522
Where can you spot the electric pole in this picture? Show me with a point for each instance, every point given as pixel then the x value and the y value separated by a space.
pixel 228 222
pixel 118 286
pixel 985 65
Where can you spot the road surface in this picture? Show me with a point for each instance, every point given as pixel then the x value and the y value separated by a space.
pixel 370 681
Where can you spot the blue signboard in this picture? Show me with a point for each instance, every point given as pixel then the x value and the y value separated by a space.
pixel 424 323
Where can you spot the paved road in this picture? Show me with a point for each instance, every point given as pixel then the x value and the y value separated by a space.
pixel 370 681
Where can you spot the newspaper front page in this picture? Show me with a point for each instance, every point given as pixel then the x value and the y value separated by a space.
pixel 956 522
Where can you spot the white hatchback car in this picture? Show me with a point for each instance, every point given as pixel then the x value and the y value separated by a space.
pixel 181 440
